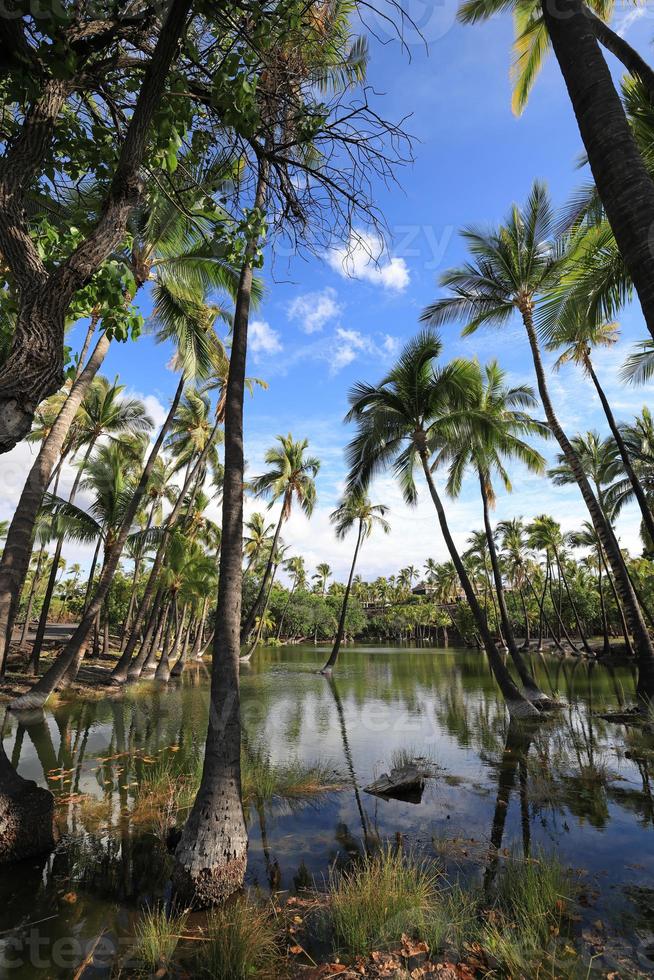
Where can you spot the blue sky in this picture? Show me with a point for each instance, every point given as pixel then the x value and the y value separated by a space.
pixel 318 329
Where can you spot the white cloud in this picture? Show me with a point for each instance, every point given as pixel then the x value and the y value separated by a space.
pixel 365 257
pixel 624 23
pixel 314 310
pixel 263 339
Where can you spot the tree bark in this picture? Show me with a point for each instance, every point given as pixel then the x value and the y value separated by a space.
pixel 122 670
pixel 26 815
pixel 605 533
pixel 639 493
pixel 34 367
pixel 30 600
pixel 517 705
pixel 622 180
pixel 18 546
pixel 53 678
pixel 257 605
pixel 531 688
pixel 333 656
pixel 211 856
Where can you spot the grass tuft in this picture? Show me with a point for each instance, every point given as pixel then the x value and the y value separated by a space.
pixel 386 895
pixel 241 944
pixel 157 936
pixel 532 901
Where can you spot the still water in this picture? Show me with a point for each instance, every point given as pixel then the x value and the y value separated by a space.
pixel 576 785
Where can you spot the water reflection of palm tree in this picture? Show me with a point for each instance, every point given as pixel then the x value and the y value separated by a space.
pixel 514 757
pixel 368 834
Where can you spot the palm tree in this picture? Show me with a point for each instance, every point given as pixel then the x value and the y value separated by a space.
pixel 290 478
pixel 511 270
pixel 638 438
pixel 574 31
pixel 587 538
pixel 295 566
pixel 191 325
pixel 497 430
pixel 257 539
pixel 578 339
pixel 399 423
pixel 104 413
pixel 355 510
pixel 322 575
pixel 18 545
pixel 512 534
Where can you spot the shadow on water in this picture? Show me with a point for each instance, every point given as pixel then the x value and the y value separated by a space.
pixel 122 770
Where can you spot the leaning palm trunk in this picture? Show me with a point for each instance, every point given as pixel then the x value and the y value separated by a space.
pixel 620 175
pixel 30 600
pixel 122 669
pixel 573 605
pixel 605 622
pixel 258 604
pixel 517 704
pixel 333 657
pixel 605 533
pixel 54 677
pixel 18 546
pixel 259 629
pixel 197 649
pixel 530 686
pixel 45 608
pixel 636 485
pixel 211 856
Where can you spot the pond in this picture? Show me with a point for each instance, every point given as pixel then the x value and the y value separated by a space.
pixel 575 785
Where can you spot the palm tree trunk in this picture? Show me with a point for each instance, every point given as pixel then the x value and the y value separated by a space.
pixel 333 656
pixel 518 706
pixel 604 618
pixel 45 608
pixel 257 605
pixel 178 667
pixel 18 546
pixel 642 639
pixel 199 636
pixel 162 673
pixel 137 665
pixel 31 597
pixel 562 629
pixel 639 493
pixel 26 815
pixel 285 609
pixel 525 615
pixel 211 856
pixel 47 600
pixel 575 613
pixel 122 669
pixel 620 175
pixel 54 677
pixel 531 688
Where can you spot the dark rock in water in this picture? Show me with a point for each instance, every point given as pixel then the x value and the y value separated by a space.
pixel 404 783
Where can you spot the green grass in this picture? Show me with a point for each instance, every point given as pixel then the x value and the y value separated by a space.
pixel 384 896
pixel 521 929
pixel 241 943
pixel 516 926
pixel 408 756
pixel 263 780
pixel 157 936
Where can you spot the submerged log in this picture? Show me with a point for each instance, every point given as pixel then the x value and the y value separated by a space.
pixel 402 783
